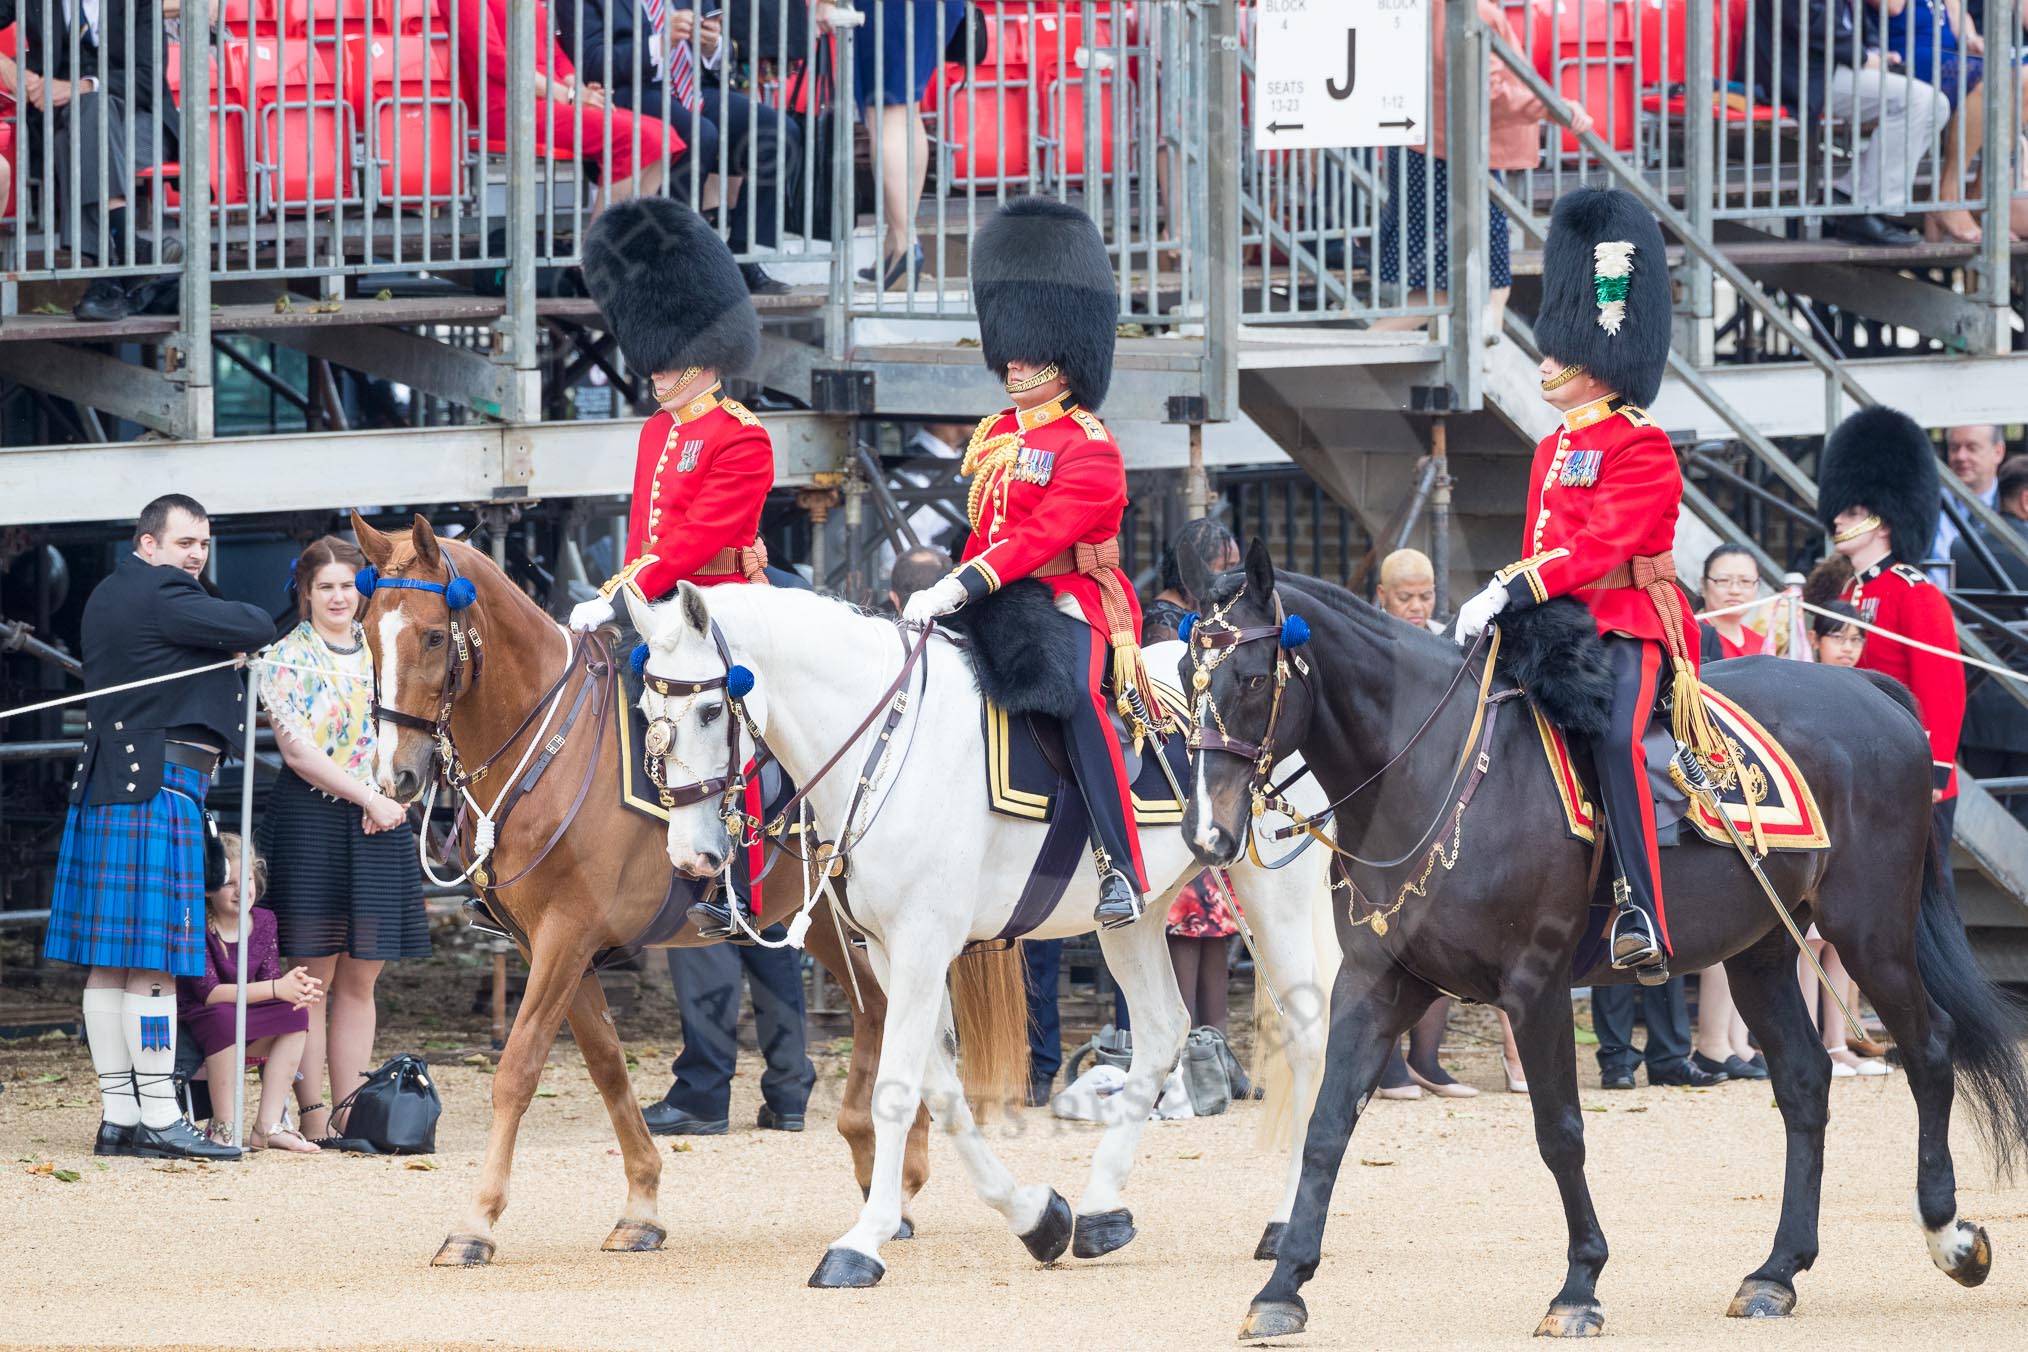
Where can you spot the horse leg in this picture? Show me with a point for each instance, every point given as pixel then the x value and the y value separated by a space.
pixel 1764 987
pixel 1138 957
pixel 591 1024
pixel 849 968
pixel 1288 945
pixel 914 979
pixel 1541 1019
pixel 1369 1010
pixel 555 967
pixel 1886 968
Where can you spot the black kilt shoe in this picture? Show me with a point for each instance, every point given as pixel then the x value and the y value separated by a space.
pixel 114 1140
pixel 179 1141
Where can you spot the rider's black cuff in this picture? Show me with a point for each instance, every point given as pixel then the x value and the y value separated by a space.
pixel 1521 594
pixel 1940 775
pixel 978 580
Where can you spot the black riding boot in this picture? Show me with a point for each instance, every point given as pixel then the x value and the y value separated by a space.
pixel 1094 756
pixel 1639 935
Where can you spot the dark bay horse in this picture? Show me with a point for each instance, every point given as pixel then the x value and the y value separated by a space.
pixel 1503 909
pixel 596 885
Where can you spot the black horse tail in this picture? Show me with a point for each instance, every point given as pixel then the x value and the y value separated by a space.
pixel 1987 1025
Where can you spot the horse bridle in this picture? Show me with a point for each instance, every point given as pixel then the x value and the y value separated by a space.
pixel 465 649
pixel 1211 640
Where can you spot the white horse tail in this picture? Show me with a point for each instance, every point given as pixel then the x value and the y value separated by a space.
pixel 1271 1069
pixel 989 1000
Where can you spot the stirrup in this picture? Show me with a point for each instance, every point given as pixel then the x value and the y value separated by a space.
pixel 1636 949
pixel 1109 918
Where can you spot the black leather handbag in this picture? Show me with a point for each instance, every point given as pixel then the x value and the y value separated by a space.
pixel 396 1109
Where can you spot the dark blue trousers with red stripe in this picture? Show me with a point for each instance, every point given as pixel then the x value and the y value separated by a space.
pixel 1638 666
pixel 1100 769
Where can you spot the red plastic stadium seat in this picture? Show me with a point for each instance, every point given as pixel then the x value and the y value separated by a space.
pixel 416 152
pixel 1055 36
pixel 415 16
pixel 978 115
pixel 229 150
pixel 1063 109
pixel 379 65
pixel 326 18
pixel 241 15
pixel 261 70
pixel 306 155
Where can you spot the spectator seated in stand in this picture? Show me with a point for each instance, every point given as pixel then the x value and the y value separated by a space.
pixel 1823 60
pixel 633 152
pixel 1974 453
pixel 277 1005
pixel 1939 43
pixel 654 70
pixel 91 69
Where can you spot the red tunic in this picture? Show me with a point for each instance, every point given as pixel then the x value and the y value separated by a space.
pixel 1902 600
pixel 701 477
pixel 1603 490
pixel 1064 484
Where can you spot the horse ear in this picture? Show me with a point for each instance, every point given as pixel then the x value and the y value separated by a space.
pixel 375 545
pixel 1260 569
pixel 1196 578
pixel 424 537
pixel 690 604
pixel 641 613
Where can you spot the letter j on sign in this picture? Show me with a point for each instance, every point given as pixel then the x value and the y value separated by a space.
pixel 1341 73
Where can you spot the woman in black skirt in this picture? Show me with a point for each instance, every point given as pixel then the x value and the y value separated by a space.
pixel 343 878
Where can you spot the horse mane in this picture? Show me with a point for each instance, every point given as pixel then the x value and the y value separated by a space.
pixel 1373 622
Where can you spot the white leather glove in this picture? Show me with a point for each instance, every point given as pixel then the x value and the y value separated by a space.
pixel 1475 614
pixel 940 598
pixel 586 616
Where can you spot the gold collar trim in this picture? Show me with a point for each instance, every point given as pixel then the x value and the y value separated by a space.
pixel 1597 411
pixel 698 407
pixel 1028 419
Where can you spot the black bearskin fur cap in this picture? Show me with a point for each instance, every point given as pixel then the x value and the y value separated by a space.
pixel 1554 652
pixel 669 288
pixel 1631 361
pixel 1045 291
pixel 1881 460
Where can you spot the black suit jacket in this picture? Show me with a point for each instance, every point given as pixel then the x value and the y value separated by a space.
pixel 145 621
pixel 1793 76
pixel 144 85
pixel 1994 719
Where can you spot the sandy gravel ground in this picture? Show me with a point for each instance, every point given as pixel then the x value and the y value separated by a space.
pixel 1445 1233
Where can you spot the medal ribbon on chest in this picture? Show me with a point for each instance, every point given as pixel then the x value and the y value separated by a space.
pixel 1580 469
pixel 1033 465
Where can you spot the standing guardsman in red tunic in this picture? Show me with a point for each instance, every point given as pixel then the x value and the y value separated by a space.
pixel 673 297
pixel 1602 499
pixel 1879 496
pixel 1048 490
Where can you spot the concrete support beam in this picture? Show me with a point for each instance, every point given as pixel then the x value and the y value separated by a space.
pixel 139 394
pixel 1958 321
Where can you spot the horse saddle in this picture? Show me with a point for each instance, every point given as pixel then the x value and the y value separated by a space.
pixel 1759 785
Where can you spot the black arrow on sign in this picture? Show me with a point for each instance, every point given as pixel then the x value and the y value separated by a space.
pixel 1406 124
pixel 1284 126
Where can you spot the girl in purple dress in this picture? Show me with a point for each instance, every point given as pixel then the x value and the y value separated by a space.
pixel 277 1017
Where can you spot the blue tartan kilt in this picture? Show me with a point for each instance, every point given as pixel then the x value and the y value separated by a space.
pixel 130 882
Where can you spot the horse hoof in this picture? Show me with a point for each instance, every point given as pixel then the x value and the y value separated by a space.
pixel 1572 1321
pixel 1967 1256
pixel 1103 1231
pixel 847 1268
pixel 1762 1299
pixel 635 1237
pixel 1051 1235
pixel 1273 1319
pixel 464 1251
pixel 1270 1246
pixel 907 1230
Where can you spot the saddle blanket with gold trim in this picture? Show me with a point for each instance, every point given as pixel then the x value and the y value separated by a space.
pixel 1757 765
pixel 1020 781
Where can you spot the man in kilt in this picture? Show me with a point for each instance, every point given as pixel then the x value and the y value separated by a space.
pixel 131 873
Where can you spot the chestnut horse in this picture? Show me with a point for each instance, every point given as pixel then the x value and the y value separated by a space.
pixel 596 885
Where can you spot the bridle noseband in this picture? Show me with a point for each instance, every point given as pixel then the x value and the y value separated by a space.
pixel 464 649
pixel 1211 639
pixel 730 787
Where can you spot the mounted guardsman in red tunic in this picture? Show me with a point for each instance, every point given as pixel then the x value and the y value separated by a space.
pixel 1048 490
pixel 673 296
pixel 1602 500
pixel 1879 496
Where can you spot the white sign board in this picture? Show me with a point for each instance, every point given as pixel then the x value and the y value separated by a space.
pixel 1340 73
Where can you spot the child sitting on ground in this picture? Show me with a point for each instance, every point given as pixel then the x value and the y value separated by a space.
pixel 277 1021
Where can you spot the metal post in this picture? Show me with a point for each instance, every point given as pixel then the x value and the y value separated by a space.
pixel 246 788
pixel 190 349
pixel 1196 483
pixel 1467 117
pixel 838 307
pixel 517 327
pixel 1440 512
pixel 1700 188
pixel 2003 33
pixel 1218 250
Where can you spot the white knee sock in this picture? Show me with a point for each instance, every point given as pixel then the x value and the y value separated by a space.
pixel 150 1025
pixel 106 1032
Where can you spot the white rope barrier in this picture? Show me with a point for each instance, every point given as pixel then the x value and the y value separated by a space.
pixel 1795 595
pixel 84 695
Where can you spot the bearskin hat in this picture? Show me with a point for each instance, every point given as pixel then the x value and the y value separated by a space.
pixel 1881 460
pixel 670 290
pixel 1605 291
pixel 1045 290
